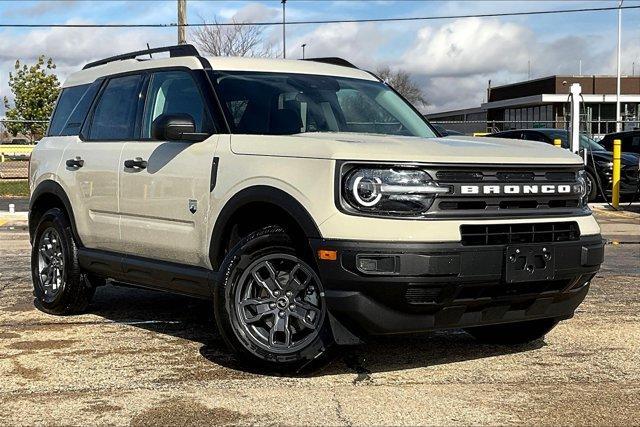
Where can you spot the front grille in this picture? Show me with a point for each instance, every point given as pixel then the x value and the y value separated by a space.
pixel 483 200
pixel 504 234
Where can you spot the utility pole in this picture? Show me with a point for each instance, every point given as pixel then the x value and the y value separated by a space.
pixel 182 21
pixel 580 68
pixel 303 46
pixel 618 116
pixel 529 67
pixel 284 33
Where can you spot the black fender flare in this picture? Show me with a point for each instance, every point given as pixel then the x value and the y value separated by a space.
pixel 266 194
pixel 52 187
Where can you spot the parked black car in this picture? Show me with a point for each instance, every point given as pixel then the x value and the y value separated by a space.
pixel 597 155
pixel 630 141
pixel 445 132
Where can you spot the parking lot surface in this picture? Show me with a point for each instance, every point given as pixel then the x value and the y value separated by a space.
pixel 147 358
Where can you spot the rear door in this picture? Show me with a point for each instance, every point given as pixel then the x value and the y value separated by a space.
pixel 164 200
pixel 90 164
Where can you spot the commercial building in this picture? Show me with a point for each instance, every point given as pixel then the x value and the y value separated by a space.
pixel 544 102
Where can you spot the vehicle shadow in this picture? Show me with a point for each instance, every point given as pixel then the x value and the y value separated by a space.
pixel 193 319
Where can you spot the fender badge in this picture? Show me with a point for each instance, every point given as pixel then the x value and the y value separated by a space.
pixel 193 206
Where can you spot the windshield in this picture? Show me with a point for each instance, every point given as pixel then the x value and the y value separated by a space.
pixel 585 141
pixel 284 104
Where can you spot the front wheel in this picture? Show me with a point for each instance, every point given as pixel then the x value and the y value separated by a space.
pixel 513 333
pixel 270 306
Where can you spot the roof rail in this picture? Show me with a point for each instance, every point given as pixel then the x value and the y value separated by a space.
pixel 174 51
pixel 333 61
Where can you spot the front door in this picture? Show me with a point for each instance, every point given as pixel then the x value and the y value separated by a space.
pixel 165 185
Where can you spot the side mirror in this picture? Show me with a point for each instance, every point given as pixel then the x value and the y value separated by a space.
pixel 176 127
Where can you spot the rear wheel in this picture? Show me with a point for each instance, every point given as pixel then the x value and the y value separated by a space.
pixel 513 333
pixel 60 287
pixel 270 308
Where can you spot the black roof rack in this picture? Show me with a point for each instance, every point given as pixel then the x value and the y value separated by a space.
pixel 174 51
pixel 333 61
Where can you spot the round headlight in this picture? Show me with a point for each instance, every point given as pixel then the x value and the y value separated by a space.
pixel 389 191
pixel 366 190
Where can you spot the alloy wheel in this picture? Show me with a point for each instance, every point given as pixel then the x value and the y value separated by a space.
pixel 279 303
pixel 50 263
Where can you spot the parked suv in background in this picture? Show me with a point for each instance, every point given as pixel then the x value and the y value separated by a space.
pixel 307 200
pixel 630 141
pixel 599 161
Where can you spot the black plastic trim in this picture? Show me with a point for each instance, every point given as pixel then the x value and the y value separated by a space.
pixel 333 60
pixel 214 173
pixel 153 274
pixel 260 193
pixel 219 111
pixel 52 187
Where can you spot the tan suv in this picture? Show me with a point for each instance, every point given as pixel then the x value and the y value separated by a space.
pixel 307 199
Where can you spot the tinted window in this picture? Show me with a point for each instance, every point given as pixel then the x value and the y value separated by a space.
pixel 284 104
pixel 114 117
pixel 79 113
pixel 67 102
pixel 174 92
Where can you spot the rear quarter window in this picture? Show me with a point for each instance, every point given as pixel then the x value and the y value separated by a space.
pixel 72 108
pixel 67 103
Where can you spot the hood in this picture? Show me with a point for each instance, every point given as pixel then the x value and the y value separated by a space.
pixel 370 147
pixel 627 159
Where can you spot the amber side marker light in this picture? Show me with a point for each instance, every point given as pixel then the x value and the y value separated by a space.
pixel 327 255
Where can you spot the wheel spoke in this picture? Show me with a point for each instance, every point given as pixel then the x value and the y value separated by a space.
pixel 310 315
pixel 281 326
pixel 45 255
pixel 294 283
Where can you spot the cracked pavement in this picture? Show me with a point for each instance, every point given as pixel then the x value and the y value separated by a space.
pixel 148 358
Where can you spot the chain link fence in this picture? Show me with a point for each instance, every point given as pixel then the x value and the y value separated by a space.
pixel 15 151
pixel 595 129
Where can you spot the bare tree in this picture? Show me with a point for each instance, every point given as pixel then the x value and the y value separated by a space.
pixel 232 40
pixel 401 81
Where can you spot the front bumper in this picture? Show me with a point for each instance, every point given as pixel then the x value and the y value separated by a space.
pixel 448 285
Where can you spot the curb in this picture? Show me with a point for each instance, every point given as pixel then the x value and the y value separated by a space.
pixel 16 219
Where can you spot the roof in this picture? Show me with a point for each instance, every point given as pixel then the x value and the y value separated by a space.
pixel 217 63
pixel 286 66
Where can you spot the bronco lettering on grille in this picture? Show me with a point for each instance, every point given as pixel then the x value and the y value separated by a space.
pixel 516 189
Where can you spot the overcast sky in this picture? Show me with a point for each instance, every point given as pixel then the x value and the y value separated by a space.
pixel 451 59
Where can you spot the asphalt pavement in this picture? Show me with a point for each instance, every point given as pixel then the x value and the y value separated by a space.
pixel 149 358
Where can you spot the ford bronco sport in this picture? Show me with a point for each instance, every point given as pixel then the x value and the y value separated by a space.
pixel 307 200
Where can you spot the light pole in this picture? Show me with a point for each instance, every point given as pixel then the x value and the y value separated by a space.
pixel 618 116
pixel 284 33
pixel 303 46
pixel 182 20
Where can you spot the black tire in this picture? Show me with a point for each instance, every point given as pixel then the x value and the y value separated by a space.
pixel 513 333
pixel 593 188
pixel 270 250
pixel 74 290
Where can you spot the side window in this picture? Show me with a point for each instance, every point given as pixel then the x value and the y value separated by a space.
pixel 114 117
pixel 174 92
pixel 79 113
pixel 67 102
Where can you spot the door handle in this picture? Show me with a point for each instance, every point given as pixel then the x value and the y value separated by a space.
pixel 75 163
pixel 138 163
